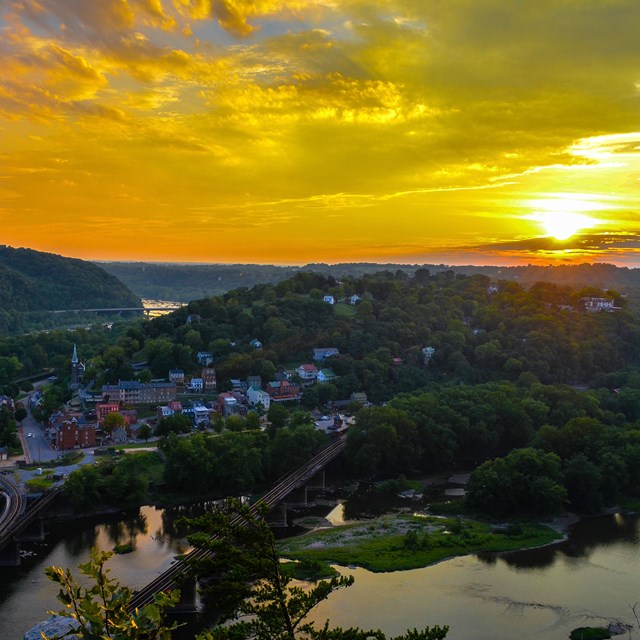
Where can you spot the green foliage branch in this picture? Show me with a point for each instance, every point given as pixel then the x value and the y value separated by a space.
pixel 101 611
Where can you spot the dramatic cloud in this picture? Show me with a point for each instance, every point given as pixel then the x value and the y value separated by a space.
pixel 398 127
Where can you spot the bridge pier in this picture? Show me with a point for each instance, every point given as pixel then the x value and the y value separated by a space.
pixel 10 555
pixel 188 603
pixel 278 516
pixel 33 533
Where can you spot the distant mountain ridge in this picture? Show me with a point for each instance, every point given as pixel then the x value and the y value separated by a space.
pixel 186 282
pixel 32 281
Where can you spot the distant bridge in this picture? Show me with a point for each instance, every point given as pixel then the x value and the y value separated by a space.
pixel 282 488
pixel 145 310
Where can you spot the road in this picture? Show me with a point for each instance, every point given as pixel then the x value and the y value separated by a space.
pixel 37 448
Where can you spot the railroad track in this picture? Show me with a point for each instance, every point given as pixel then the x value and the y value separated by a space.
pixel 167 580
pixel 14 506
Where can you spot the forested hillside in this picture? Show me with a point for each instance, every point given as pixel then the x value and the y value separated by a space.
pixel 33 281
pixel 186 282
pixel 478 331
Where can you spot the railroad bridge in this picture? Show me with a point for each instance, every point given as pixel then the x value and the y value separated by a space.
pixel 288 483
pixel 21 520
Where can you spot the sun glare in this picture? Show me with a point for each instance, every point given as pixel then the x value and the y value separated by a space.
pixel 559 216
pixel 563 224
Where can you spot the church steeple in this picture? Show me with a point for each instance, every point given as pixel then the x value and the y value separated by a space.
pixel 75 369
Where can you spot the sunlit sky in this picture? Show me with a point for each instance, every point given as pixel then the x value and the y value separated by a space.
pixel 291 131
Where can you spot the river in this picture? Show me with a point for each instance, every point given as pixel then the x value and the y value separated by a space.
pixel 542 594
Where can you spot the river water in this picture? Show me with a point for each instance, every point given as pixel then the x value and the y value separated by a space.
pixel 543 594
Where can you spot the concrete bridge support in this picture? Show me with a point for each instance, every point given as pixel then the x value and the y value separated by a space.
pixel 10 555
pixel 34 532
pixel 278 516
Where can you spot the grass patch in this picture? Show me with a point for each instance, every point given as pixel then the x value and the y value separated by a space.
pixel 343 310
pixel 73 457
pixel 135 445
pixel 411 542
pixel 453 507
pixel 308 569
pixel 590 633
pixel 121 549
pixel 39 483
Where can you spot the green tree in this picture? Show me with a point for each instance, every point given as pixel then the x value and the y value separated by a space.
pixel 113 421
pixel 100 609
pixel 145 432
pixel 20 414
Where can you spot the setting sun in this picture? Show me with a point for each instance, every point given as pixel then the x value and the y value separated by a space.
pixel 559 217
pixel 563 224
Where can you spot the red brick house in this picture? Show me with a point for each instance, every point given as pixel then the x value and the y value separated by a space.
pixel 72 435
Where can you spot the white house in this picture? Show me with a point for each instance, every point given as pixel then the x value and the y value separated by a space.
pixel 201 413
pixel 257 396
pixel 307 372
pixel 354 299
pixel 196 384
pixel 329 299
pixel 326 375
pixel 598 304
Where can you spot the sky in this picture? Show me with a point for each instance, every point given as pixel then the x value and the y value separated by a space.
pixel 295 131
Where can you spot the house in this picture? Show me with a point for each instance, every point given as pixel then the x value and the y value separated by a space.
pixel 427 354
pixel 238 385
pixel 354 299
pixel 205 358
pixel 209 378
pixel 283 391
pixel 200 413
pixel 177 376
pixel 7 403
pixel 359 396
pixel 329 299
pixel 164 411
pixel 196 384
pixel 598 304
pixel 254 381
pixel 256 344
pixel 397 362
pixel 227 404
pixel 194 318
pixel 307 372
pixel 285 375
pixel 103 409
pixel 175 406
pixel 326 375
pixel 323 354
pixel 71 431
pixel 257 396
pixel 4 454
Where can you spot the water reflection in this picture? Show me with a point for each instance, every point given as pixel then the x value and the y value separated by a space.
pixel 538 594
pixel 585 537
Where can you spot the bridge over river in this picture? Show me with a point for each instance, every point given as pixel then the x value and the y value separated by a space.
pixel 17 517
pixel 280 490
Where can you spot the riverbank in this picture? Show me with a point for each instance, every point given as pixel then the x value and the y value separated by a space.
pixel 402 542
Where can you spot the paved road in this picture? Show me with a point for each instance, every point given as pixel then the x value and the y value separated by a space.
pixel 35 441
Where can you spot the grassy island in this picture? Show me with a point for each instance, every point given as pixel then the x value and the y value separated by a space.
pixel 396 543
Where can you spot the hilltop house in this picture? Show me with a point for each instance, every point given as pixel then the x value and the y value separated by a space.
pixel 323 354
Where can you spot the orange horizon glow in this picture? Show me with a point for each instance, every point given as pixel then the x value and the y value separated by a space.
pixel 298 131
